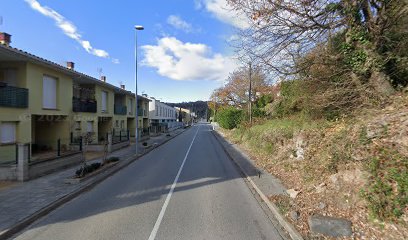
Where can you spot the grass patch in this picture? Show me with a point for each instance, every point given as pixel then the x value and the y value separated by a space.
pixel 268 138
pixel 282 202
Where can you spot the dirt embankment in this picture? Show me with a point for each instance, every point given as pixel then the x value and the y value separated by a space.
pixel 355 168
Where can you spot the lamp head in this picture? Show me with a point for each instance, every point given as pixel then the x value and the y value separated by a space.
pixel 139 27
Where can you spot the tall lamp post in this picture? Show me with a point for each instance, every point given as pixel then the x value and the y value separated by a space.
pixel 137 28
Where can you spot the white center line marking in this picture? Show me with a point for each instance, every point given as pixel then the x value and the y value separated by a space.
pixel 166 202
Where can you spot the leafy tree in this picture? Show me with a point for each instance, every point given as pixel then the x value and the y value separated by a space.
pixel 229 117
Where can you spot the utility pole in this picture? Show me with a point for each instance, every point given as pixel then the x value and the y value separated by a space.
pixel 250 94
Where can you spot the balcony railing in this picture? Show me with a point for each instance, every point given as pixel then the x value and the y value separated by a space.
pixel 13 97
pixel 141 112
pixel 120 110
pixel 80 105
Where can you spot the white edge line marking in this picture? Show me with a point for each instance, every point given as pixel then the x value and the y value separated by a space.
pixel 166 202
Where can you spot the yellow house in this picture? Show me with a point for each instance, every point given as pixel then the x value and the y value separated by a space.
pixel 50 106
pixel 143 116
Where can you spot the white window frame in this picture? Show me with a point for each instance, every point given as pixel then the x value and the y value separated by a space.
pixel 50 86
pixel 8 132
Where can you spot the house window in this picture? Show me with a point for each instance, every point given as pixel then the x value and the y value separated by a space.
pixel 156 110
pixel 77 125
pixel 130 106
pixel 122 124
pixel 9 76
pixel 49 92
pixel 104 101
pixel 7 132
pixel 117 123
pixel 89 126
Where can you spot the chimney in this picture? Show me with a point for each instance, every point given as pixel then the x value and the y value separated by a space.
pixel 103 78
pixel 122 86
pixel 71 65
pixel 5 39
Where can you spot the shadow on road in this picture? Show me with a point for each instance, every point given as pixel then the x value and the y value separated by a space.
pixel 150 178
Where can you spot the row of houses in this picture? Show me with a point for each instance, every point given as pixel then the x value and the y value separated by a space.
pixel 53 109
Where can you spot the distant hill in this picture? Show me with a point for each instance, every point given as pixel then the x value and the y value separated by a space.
pixel 199 107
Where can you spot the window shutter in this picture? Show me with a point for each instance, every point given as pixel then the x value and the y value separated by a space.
pixel 130 106
pixel 89 126
pixel 8 132
pixel 104 101
pixel 49 92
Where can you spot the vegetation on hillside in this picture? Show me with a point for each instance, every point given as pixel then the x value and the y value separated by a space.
pixel 322 73
pixel 199 107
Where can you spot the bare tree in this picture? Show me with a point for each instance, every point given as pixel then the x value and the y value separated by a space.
pixel 283 31
pixel 236 90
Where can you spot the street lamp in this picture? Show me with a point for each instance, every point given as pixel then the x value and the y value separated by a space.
pixel 137 28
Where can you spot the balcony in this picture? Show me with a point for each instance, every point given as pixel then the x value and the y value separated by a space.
pixel 141 112
pixel 81 105
pixel 120 109
pixel 13 97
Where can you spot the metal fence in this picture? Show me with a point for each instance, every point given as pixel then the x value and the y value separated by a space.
pixel 120 136
pixel 50 149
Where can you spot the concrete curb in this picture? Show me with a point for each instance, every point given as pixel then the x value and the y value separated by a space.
pixel 294 234
pixel 93 182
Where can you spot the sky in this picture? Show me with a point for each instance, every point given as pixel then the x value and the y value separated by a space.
pixel 183 51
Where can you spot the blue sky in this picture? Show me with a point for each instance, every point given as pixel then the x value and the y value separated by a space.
pixel 183 51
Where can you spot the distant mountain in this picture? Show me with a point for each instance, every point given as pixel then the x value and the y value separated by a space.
pixel 199 107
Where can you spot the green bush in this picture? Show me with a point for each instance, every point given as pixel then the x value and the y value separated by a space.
pixel 387 188
pixel 230 117
pixel 112 159
pixel 87 169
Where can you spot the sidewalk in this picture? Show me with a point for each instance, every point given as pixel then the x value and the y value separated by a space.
pixel 23 201
pixel 265 184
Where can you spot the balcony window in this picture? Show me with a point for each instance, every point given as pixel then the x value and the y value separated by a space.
pixel 130 106
pixel 9 76
pixel 7 132
pixel 104 101
pixel 49 92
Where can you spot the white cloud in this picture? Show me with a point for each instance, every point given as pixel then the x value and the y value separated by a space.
pixel 223 12
pixel 179 23
pixel 115 61
pixel 187 61
pixel 67 27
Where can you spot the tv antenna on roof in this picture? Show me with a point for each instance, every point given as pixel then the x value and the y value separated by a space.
pixel 99 70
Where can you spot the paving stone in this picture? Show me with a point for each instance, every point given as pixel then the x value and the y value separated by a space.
pixel 294 215
pixel 330 226
pixel 24 199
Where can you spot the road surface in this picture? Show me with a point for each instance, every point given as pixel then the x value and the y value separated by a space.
pixel 185 189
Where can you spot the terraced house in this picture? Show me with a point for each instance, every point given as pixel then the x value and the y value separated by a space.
pixel 53 110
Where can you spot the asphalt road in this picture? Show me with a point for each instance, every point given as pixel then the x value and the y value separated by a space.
pixel 185 189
